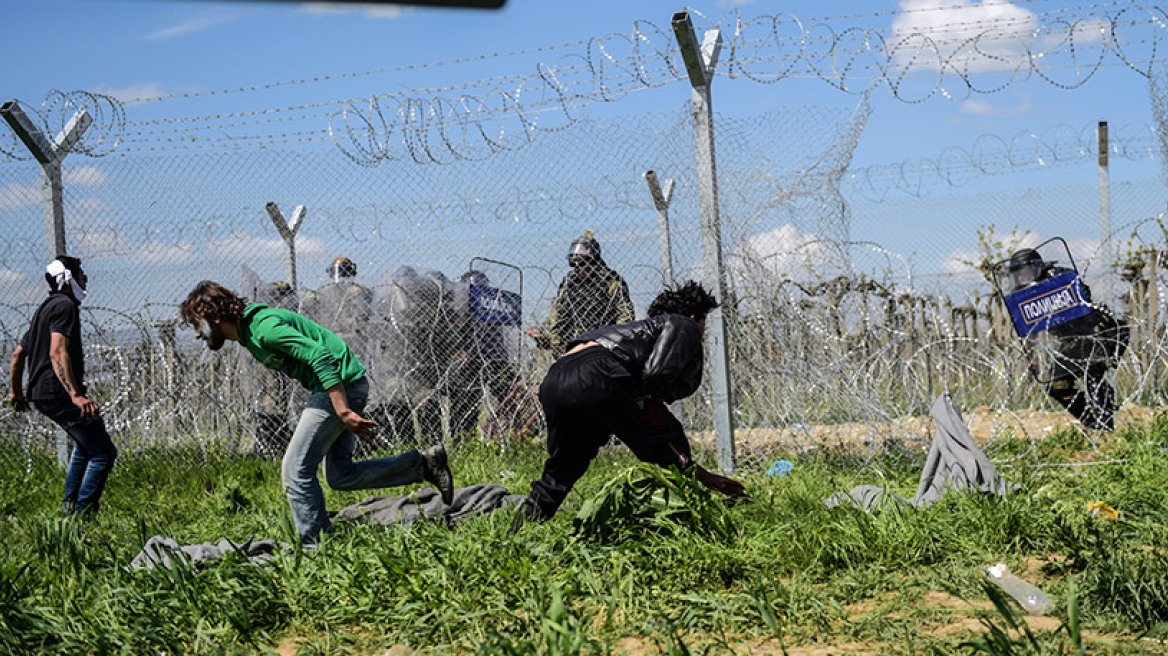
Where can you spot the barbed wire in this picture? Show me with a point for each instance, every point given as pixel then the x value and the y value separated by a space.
pixel 1064 47
pixel 848 336
pixel 101 138
pixel 993 154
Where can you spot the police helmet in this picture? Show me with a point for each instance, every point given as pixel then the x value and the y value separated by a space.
pixel 277 293
pixel 475 277
pixel 342 267
pixel 1025 267
pixel 584 250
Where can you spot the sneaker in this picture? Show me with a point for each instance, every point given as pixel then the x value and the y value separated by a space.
pixel 437 472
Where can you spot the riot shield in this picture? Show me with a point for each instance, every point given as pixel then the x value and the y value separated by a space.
pixel 345 308
pixel 485 381
pixel 1041 293
pixel 410 354
pixel 1064 335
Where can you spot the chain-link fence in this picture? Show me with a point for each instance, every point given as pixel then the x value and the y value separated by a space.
pixel 452 255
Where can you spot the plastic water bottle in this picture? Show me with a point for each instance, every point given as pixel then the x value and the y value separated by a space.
pixel 1033 600
pixel 780 467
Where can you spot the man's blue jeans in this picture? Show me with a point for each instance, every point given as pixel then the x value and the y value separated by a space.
pixel 94 454
pixel 321 436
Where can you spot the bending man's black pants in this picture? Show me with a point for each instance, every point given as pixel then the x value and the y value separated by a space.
pixel 586 397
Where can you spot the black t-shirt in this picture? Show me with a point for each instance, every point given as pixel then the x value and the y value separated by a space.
pixel 58 314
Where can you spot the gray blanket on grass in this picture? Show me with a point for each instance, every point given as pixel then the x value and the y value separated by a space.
pixel 162 551
pixel 425 502
pixel 468 501
pixel 955 462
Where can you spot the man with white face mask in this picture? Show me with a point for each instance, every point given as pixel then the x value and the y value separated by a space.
pixel 52 353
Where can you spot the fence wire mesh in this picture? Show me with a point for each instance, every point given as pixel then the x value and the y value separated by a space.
pixel 835 336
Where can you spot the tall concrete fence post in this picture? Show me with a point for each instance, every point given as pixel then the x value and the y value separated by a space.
pixel 700 60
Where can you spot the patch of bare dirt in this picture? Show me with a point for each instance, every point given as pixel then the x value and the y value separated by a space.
pixel 985 425
pixel 288 646
pixel 760 647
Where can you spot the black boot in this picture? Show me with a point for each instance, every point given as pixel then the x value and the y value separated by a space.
pixel 437 472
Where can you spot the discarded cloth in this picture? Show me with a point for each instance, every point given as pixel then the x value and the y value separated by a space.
pixel 468 501
pixel 425 502
pixel 161 551
pixel 955 462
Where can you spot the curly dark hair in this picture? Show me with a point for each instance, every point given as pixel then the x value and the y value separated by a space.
pixel 690 300
pixel 209 300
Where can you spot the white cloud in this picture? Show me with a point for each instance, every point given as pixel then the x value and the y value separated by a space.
pixel 259 248
pixel 956 262
pixel 17 196
pixel 1007 242
pixel 383 12
pixel 88 212
pixel 735 3
pixel 1086 252
pixel 971 36
pixel 99 243
pixel 785 251
pixel 129 95
pixel 986 108
pixel 978 107
pixel 198 23
pixel 10 277
pixel 170 254
pixel 18 287
pixel 84 176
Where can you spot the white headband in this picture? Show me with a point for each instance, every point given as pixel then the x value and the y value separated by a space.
pixel 64 276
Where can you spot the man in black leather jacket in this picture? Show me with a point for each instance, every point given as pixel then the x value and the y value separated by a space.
pixel 616 380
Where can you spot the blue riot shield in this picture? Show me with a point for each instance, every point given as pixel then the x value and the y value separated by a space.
pixel 1046 304
pixel 494 305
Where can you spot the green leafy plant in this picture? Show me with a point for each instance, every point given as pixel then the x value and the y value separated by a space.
pixel 646 497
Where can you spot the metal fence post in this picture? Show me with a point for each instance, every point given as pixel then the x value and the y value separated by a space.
pixel 1106 246
pixel 288 230
pixel 699 65
pixel 661 197
pixel 49 155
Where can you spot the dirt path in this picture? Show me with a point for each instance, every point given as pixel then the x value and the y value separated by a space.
pixel 985 424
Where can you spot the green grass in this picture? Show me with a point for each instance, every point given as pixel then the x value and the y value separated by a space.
pixel 639 561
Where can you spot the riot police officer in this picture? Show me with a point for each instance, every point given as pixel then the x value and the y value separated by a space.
pixel 342 305
pixel 591 295
pixel 411 356
pixel 483 361
pixel 1085 348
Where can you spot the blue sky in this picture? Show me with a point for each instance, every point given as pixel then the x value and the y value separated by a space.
pixel 132 50
pixel 135 49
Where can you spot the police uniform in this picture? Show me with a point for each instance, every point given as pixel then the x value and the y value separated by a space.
pixel 1085 348
pixel 483 361
pixel 590 296
pixel 343 306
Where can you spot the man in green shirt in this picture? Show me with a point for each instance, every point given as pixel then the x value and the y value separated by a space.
pixel 331 421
